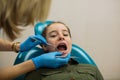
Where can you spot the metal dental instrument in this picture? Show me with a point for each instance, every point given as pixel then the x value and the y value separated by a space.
pixel 73 57
pixel 48 44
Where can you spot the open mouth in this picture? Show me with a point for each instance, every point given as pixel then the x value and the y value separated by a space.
pixel 62 47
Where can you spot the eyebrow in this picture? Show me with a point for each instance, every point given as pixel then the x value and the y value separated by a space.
pixel 56 31
pixel 52 32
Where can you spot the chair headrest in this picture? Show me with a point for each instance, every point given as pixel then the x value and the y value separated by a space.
pixel 40 26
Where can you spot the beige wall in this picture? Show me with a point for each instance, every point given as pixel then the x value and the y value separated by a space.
pixel 95 26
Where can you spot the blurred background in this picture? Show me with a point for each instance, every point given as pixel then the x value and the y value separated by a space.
pixel 95 27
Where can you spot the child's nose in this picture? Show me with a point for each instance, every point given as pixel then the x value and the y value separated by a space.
pixel 61 37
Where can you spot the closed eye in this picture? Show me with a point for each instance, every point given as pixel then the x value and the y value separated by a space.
pixel 53 36
pixel 66 34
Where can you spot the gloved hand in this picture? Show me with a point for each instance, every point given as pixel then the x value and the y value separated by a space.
pixel 50 60
pixel 31 42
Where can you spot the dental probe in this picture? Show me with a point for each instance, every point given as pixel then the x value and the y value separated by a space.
pixel 48 44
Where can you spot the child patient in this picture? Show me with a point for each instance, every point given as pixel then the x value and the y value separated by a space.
pixel 58 36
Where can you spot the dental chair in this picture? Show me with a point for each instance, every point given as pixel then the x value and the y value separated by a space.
pixel 76 51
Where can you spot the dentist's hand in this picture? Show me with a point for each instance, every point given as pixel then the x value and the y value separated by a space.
pixel 50 60
pixel 31 42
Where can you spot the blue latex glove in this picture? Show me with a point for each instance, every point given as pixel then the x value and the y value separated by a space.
pixel 31 42
pixel 50 60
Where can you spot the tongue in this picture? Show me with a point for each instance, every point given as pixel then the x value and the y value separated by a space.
pixel 61 48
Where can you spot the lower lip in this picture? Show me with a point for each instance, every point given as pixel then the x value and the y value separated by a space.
pixel 64 54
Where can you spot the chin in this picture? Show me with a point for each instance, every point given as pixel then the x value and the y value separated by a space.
pixel 65 53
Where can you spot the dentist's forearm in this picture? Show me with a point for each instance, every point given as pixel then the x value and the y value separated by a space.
pixel 12 72
pixel 6 45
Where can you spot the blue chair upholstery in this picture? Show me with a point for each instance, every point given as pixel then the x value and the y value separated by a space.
pixel 84 58
pixel 77 51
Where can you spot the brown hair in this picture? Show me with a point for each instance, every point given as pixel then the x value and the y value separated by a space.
pixel 14 13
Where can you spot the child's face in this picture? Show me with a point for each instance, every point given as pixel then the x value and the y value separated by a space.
pixel 58 36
